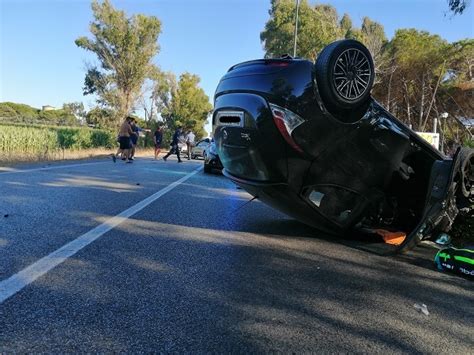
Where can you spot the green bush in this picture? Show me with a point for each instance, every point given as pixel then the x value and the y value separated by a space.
pixel 19 111
pixel 102 138
pixel 20 138
pixel 7 113
pixel 60 117
pixel 469 143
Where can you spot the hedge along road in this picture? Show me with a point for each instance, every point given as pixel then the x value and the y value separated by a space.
pixel 193 270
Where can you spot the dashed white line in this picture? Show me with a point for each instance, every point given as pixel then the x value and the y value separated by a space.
pixel 20 280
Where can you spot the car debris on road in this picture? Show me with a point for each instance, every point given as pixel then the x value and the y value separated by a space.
pixel 422 308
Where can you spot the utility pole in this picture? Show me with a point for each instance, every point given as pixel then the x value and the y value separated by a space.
pixel 296 27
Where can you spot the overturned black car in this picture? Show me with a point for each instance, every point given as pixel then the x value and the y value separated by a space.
pixel 309 140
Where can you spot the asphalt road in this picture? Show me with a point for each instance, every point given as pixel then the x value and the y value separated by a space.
pixel 196 269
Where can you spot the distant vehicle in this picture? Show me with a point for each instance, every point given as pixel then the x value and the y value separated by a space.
pixel 212 160
pixel 308 139
pixel 200 149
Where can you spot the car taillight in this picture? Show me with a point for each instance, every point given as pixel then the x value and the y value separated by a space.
pixel 286 122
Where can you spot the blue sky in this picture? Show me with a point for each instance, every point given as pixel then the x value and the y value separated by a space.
pixel 40 64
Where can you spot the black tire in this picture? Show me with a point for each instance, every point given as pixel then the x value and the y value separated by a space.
pixel 207 169
pixel 345 74
pixel 467 173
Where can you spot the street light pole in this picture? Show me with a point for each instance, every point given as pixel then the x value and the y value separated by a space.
pixel 296 28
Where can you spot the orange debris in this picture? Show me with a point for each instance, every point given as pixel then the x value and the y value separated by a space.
pixel 394 238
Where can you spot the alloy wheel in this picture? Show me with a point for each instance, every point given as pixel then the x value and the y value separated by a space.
pixel 351 74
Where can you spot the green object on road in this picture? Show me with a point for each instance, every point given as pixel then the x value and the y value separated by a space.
pixel 456 260
pixel 445 256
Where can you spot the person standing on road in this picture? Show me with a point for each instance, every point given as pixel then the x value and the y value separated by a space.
pixel 175 145
pixel 124 139
pixel 134 137
pixel 190 142
pixel 157 139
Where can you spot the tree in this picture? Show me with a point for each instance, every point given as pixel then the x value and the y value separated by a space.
pixel 163 91
pixel 21 113
pixel 125 47
pixel 57 117
pixel 327 26
pixel 346 24
pixel 76 109
pixel 418 61
pixel 373 37
pixel 317 27
pixel 457 89
pixel 156 94
pixel 277 37
pixel 461 55
pixel 100 117
pixel 424 76
pixel 14 112
pixel 7 113
pixel 458 6
pixel 184 104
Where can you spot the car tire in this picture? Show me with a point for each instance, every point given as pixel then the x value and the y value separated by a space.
pixel 345 74
pixel 207 169
pixel 467 173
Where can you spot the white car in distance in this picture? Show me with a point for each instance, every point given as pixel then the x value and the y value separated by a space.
pixel 199 150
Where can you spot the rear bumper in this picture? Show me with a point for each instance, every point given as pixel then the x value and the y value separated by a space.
pixel 244 147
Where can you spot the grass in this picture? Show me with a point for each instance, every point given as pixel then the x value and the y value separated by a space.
pixel 18 157
pixel 19 142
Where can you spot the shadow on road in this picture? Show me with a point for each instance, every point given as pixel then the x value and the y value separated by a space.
pixel 228 278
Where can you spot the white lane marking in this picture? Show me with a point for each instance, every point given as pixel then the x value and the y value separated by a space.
pixel 23 278
pixel 7 171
